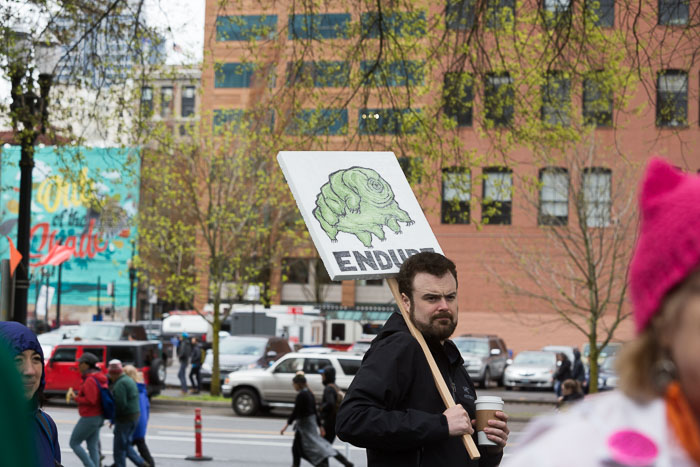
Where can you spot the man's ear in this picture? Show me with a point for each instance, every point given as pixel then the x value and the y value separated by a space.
pixel 406 301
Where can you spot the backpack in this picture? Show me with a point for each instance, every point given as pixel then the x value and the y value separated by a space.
pixel 48 431
pixel 106 400
pixel 339 396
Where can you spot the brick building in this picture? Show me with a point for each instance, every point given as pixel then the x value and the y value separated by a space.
pixel 664 122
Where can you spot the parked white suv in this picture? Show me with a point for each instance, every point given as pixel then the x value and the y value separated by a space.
pixel 260 389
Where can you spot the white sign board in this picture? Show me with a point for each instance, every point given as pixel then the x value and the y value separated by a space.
pixel 359 209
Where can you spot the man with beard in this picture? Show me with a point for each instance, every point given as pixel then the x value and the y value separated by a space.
pixel 392 407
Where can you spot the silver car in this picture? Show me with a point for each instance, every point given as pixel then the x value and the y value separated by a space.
pixel 260 389
pixel 531 369
pixel 485 357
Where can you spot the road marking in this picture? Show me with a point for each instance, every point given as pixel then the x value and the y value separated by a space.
pixel 166 456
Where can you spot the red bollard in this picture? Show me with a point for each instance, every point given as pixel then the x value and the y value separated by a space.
pixel 198 438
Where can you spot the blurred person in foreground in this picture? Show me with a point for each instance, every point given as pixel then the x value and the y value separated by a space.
pixel 392 408
pixel 24 348
pixel 139 437
pixel 126 415
pixel 90 410
pixel 655 418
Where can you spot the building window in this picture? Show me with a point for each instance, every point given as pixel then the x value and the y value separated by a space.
pixel 166 101
pixel 554 196
pixel 601 12
pixel 597 100
pixel 597 196
pixel 556 12
pixel 500 14
pixel 234 75
pixel 673 12
pixel 388 121
pixel 395 23
pixel 458 97
pixel 146 101
pixel 496 204
pixel 320 122
pixel 459 14
pixel 187 101
pixel 246 27
pixel 320 74
pixel 233 119
pixel 499 95
pixel 319 26
pixel 399 73
pixel 456 195
pixel 295 270
pixel 556 99
pixel 672 99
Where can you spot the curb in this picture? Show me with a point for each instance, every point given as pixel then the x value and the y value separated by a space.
pixel 185 403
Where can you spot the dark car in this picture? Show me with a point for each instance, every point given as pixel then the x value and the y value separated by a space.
pixel 120 331
pixel 62 365
pixel 244 352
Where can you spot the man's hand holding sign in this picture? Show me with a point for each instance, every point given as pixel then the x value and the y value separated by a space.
pixel 347 200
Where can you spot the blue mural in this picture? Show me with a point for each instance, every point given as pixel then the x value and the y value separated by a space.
pixel 89 206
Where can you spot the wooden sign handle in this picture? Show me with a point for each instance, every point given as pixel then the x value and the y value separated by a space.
pixel 472 450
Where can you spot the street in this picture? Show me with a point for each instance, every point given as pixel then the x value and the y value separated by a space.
pixel 237 441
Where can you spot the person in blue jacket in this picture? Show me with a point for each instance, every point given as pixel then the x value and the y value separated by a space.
pixel 139 437
pixel 29 359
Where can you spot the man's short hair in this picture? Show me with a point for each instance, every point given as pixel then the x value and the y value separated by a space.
pixel 428 262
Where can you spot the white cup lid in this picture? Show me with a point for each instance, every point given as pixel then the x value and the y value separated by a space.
pixel 489 400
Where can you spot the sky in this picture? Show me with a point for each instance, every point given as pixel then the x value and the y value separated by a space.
pixel 182 22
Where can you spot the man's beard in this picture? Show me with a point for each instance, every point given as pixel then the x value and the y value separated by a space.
pixel 433 330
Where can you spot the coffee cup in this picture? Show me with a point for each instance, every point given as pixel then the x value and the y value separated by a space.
pixel 486 407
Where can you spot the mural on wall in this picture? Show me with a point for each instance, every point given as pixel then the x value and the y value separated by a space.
pixel 89 207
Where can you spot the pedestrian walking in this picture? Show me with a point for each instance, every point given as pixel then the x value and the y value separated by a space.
pixel 184 349
pixel 563 372
pixel 329 403
pixel 654 418
pixel 392 408
pixel 138 439
pixel 127 413
pixel 308 443
pixel 578 371
pixel 196 366
pixel 24 347
pixel 90 410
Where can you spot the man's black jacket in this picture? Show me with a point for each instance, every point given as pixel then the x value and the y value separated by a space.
pixel 394 410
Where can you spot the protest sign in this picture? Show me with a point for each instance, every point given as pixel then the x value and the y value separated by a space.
pixel 365 222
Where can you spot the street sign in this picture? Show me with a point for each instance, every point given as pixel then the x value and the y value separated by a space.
pixel 359 209
pixel 152 295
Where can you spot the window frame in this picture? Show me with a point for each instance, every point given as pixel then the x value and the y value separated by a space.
pixel 498 92
pixel 319 26
pixel 188 104
pixel 167 105
pixel 460 15
pixel 553 219
pixel 455 85
pixel 591 111
pixel 225 75
pixel 556 104
pixel 459 211
pixel 504 208
pixel 591 205
pixel 663 120
pixel 246 31
pixel 667 8
pixel 595 7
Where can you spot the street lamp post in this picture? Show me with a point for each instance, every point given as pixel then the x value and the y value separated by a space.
pixel 31 111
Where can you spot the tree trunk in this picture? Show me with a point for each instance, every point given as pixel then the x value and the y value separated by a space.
pixel 215 388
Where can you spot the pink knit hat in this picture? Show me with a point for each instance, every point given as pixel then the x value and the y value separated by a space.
pixel 668 247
